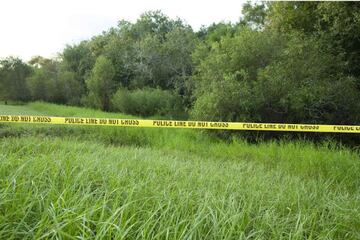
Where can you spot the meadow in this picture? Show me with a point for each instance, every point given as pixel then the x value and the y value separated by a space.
pixel 88 182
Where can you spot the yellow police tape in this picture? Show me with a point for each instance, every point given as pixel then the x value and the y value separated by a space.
pixel 180 124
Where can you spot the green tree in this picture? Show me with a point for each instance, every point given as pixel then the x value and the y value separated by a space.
pixel 216 31
pixel 179 46
pixel 232 65
pixel 78 60
pixel 306 84
pixel 268 76
pixel 155 23
pixel 13 74
pixel 100 83
pixel 146 54
pixel 254 15
pixel 120 49
pixel 51 81
pixel 42 85
pixel 69 89
pixel 335 24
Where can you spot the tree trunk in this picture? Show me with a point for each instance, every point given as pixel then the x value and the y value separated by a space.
pixel 106 103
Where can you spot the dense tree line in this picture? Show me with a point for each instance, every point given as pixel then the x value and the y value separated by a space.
pixel 282 62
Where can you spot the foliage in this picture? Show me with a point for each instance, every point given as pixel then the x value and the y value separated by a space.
pixel 335 24
pixel 154 52
pixel 307 85
pixel 281 62
pixel 100 83
pixel 41 85
pixel 51 82
pixel 286 62
pixel 13 74
pixel 147 102
pixel 69 88
pixel 79 60
pixel 254 15
pixel 225 79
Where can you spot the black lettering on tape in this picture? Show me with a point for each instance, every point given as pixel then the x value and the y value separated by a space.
pixel 309 127
pixel 25 119
pixel 270 126
pixel 253 125
pixel 130 122
pixel 91 121
pixel 5 118
pixel 74 120
pixel 15 118
pixel 219 125
pixel 345 128
pixel 41 120
pixel 180 124
pixel 162 123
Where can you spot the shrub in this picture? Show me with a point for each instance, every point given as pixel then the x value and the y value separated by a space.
pixel 100 83
pixel 91 101
pixel 147 102
pixel 300 83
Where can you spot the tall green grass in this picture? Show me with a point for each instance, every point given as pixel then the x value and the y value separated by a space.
pixel 86 182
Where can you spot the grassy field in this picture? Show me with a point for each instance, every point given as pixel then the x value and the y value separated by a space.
pixel 89 182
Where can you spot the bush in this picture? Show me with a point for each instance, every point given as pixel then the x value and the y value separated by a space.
pixel 225 76
pixel 91 101
pixel 226 100
pixel 100 83
pixel 307 85
pixel 299 84
pixel 147 102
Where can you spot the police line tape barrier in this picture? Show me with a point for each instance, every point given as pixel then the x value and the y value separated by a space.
pixel 180 124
